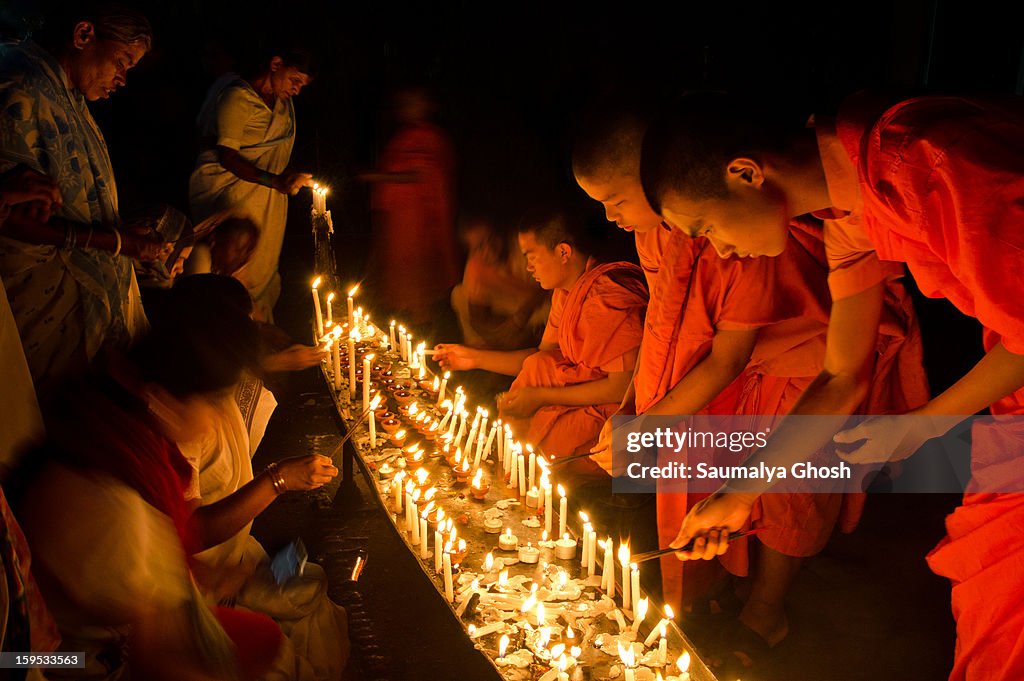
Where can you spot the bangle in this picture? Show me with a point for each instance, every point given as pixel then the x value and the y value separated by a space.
pixel 70 237
pixel 117 235
pixel 276 479
pixel 266 178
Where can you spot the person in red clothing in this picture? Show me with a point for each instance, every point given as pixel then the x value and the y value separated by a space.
pixel 415 250
pixel 937 183
pixel 738 336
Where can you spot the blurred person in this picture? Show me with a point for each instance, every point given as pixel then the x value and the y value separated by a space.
pixel 415 258
pixel 107 506
pixel 498 303
pixel 224 244
pixel 174 228
pixel 247 125
pixel 67 265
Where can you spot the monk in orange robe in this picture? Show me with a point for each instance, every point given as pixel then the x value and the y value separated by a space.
pixel 732 336
pixel 567 387
pixel 415 259
pixel 937 183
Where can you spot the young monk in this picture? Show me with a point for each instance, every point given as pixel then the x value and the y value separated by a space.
pixel 574 380
pixel 937 183
pixel 735 336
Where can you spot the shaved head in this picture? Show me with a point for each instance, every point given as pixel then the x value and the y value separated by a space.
pixel 608 144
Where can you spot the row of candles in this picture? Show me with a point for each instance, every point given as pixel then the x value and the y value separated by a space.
pixel 466 446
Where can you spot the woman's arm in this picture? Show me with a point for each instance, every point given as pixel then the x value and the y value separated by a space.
pixel 289 182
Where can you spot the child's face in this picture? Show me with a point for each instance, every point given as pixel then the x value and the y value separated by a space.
pixel 744 223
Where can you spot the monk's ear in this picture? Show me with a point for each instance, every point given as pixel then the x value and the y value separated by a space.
pixel 744 171
pixel 564 252
pixel 83 34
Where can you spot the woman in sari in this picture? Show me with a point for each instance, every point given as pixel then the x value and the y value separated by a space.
pixel 68 275
pixel 106 511
pixel 247 126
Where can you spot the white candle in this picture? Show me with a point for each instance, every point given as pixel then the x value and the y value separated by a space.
pixel 444 385
pixel 437 549
pixel 641 610
pixel 479 448
pixel 397 492
pixel 522 476
pixel 424 544
pixel 624 560
pixel 422 350
pixel 351 312
pixel 415 522
pixel 563 511
pixel 449 588
pixel 565 548
pixel 490 439
pixel 586 540
pixel 592 559
pixel 392 339
pixel 649 641
pixel 336 361
pixel 373 430
pixel 352 364
pixel 533 498
pixel 533 466
pixel 330 310
pixel 316 308
pixel 367 363
pixel 635 583
pixel 501 441
pixel 608 576
pixel 548 511
pixel 513 480
pixel 410 353
pixel 663 644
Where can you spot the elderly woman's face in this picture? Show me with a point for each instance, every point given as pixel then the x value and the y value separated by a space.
pixel 287 81
pixel 98 66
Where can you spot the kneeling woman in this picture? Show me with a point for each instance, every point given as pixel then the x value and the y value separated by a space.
pixel 106 507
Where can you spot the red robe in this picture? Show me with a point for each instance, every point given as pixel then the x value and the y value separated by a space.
pixel 938 183
pixel 649 248
pixel 416 254
pixel 787 299
pixel 598 323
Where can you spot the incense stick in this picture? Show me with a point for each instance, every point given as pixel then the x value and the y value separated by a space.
pixel 650 555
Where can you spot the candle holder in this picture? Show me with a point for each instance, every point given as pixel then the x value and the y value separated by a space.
pixel 403 397
pixel 390 426
pixel 382 413
pixel 398 438
pixel 463 474
pixel 480 493
pixel 458 556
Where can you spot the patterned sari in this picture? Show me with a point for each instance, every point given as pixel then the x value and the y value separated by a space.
pixel 68 303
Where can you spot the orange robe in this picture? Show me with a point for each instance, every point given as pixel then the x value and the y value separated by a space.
pixel 649 247
pixel 938 183
pixel 416 255
pixel 787 299
pixel 598 323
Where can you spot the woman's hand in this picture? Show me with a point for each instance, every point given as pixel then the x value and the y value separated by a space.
pixel 882 439
pixel 27 186
pixel 290 182
pixel 306 472
pixel 145 247
pixel 294 358
pixel 453 357
pixel 521 403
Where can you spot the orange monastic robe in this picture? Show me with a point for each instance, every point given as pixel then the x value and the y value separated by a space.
pixel 938 183
pixel 649 248
pixel 598 324
pixel 786 298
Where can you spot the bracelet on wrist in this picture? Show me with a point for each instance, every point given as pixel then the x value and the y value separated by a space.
pixel 266 178
pixel 117 248
pixel 276 479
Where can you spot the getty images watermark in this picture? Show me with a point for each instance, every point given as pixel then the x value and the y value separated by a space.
pixel 701 453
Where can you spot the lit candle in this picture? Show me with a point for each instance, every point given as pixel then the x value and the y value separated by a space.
pixel 397 491
pixel 628 660
pixel 401 342
pixel 529 554
pixel 641 610
pixel 449 588
pixel 513 470
pixel 411 353
pixel 336 357
pixel 424 552
pixel 624 560
pixel 533 498
pixel 562 666
pixel 502 646
pixel 351 313
pixel 585 519
pixel 522 476
pixel 421 349
pixel 683 663
pixel 316 308
pixel 663 644
pixel 649 641
pixel 592 558
pixel 608 576
pixel 367 363
pixel 480 444
pixel 444 385
pixel 563 511
pixel 508 541
pixel 352 364
pixel 330 309
pixel 533 466
pixel 548 511
pixel 392 339
pixel 501 440
pixel 565 548
pixel 634 573
pixel 437 548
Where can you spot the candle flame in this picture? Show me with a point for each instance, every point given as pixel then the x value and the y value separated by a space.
pixel 352 291
pixel 330 297
pixel 557 651
pixel 683 662
pixel 429 494
pixel 489 562
pixel 544 535
pixel 627 656
pixel 561 491
pixel 563 580
pixel 641 609
pixel 508 532
pixel 502 645
pixel 576 651
pixel 375 402
pixel 447 375
pixel 336 332
pixel 400 434
pixel 503 578
pixel 478 478
pixel 545 637
pixel 540 614
pixel 462 546
pixel 316 283
pixel 369 358
pixel 584 517
pixel 421 475
pixel 529 603
pixel 472 630
pixel 624 554
pixel 669 614
pixel 570 634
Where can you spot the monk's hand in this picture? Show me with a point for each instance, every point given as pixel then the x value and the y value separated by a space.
pixel 602 452
pixel 881 439
pixel 521 403
pixel 295 358
pixel 306 472
pixel 454 357
pixel 290 182
pixel 709 523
